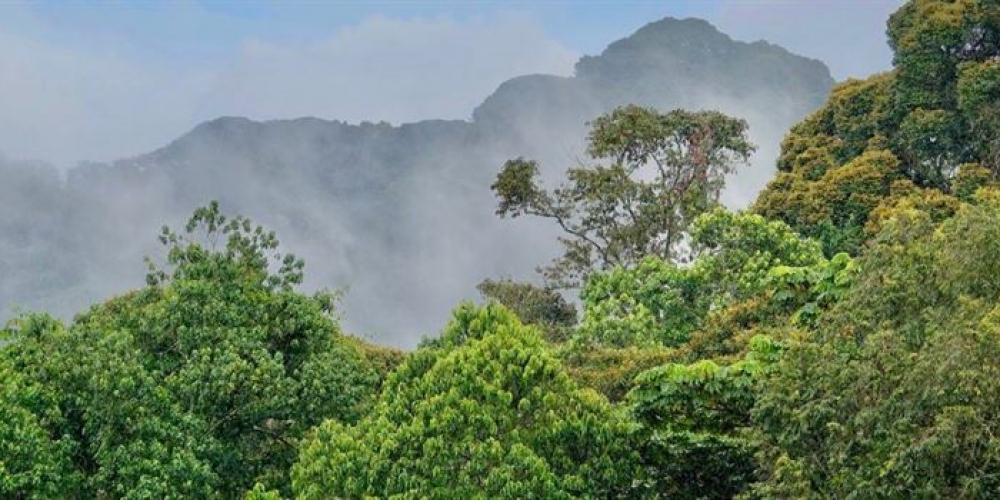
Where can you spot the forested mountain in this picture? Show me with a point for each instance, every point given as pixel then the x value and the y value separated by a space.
pixel 401 215
pixel 839 338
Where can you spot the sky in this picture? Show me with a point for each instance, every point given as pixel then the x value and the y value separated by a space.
pixel 104 80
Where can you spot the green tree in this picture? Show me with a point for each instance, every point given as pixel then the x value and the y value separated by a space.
pixel 979 103
pixel 233 342
pixel 928 119
pixel 661 303
pixel 125 437
pixel 485 411
pixel 656 303
pixel 663 170
pixel 533 305
pixel 201 384
pixel 931 38
pixel 36 464
pixel 893 394
pixel 694 422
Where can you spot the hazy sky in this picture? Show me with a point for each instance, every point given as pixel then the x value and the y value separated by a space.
pixel 98 81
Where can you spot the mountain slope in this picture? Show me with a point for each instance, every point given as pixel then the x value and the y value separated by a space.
pixel 403 214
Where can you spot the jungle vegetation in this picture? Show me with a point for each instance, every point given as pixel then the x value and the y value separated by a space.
pixel 839 339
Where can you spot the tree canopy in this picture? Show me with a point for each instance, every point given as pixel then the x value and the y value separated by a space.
pixel 197 386
pixel 931 121
pixel 486 412
pixel 663 170
pixel 840 339
pixel 908 408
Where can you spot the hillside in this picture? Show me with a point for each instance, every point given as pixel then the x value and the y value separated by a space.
pixel 402 215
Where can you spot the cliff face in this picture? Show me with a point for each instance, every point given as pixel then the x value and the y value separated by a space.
pixel 402 215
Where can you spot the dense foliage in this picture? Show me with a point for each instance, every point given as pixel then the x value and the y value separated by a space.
pixel 931 123
pixel 694 424
pixel 198 386
pixel 910 406
pixel 659 302
pixel 841 339
pixel 484 411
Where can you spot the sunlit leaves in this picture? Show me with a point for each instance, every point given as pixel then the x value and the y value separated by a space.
pixel 485 411
pixel 893 393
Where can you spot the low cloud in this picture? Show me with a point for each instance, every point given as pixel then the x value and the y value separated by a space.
pixel 63 103
pixel 385 69
pixel 847 35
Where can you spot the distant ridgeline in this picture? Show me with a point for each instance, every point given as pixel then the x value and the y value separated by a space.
pixel 402 215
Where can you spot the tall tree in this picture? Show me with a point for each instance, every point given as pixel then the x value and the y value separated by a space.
pixel 932 121
pixel 662 170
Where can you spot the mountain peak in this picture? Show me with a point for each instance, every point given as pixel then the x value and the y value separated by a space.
pixel 669 29
pixel 667 63
pixel 691 44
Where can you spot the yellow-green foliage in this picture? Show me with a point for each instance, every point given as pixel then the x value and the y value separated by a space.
pixel 856 112
pixel 727 332
pixel 836 206
pixel 848 193
pixel 907 409
pixel 935 112
pixel 383 359
pixel 610 370
pixel 971 177
pixel 979 101
pixel 904 196
pixel 486 411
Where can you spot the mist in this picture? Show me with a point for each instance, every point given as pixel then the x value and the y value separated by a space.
pixel 85 83
pixel 400 216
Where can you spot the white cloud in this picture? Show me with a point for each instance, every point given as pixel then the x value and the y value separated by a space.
pixel 385 69
pixel 63 103
pixel 848 35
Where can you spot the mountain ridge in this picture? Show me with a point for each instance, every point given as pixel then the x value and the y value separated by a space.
pixel 402 214
pixel 650 34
